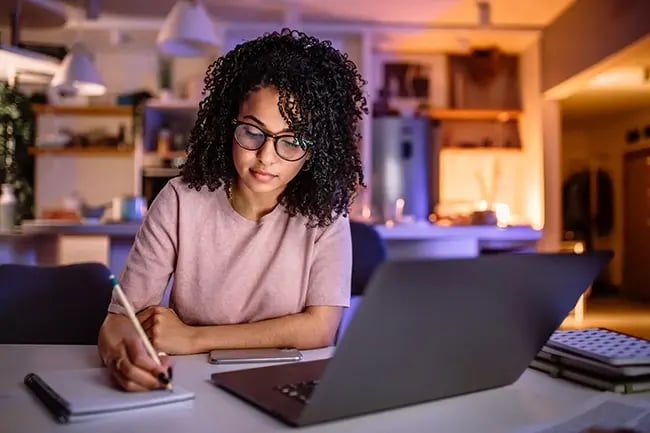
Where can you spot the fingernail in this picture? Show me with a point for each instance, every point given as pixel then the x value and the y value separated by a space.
pixel 163 379
pixel 169 373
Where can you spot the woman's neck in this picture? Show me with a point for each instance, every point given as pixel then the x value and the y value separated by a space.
pixel 252 206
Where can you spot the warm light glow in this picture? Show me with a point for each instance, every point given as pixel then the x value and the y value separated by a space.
pixel 502 212
pixel 579 248
pixel 365 212
pixel 399 209
pixel 619 77
pixel 537 226
pixel 503 116
pixel 390 223
pixel 482 205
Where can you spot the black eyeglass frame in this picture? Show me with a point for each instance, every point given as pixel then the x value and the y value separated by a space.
pixel 276 137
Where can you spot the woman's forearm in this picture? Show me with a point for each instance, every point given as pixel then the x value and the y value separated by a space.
pixel 314 328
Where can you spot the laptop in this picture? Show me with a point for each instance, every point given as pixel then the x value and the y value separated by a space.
pixel 427 330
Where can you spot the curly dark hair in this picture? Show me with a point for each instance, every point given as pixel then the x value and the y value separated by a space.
pixel 320 98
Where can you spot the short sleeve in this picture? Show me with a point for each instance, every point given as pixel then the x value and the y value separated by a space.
pixel 331 270
pixel 152 258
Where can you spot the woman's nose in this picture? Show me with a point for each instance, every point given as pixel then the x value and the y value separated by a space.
pixel 266 153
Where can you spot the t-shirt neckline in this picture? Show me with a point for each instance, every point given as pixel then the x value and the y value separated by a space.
pixel 240 218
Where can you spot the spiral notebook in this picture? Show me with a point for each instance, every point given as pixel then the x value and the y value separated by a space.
pixel 73 395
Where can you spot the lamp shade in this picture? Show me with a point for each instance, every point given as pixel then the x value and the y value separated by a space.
pixel 187 31
pixel 78 74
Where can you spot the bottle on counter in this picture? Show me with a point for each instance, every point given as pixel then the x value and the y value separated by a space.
pixel 164 141
pixel 7 207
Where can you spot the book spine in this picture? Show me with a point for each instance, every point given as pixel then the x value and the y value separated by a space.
pixel 57 406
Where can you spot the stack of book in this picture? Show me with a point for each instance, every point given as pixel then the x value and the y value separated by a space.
pixel 597 357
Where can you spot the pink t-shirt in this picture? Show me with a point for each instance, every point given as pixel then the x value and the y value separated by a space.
pixel 228 269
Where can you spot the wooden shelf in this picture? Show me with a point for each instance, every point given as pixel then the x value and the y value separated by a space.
pixel 452 149
pixel 91 151
pixel 91 110
pixel 170 154
pixel 174 104
pixel 468 114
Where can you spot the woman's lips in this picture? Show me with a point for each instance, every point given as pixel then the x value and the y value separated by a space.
pixel 262 176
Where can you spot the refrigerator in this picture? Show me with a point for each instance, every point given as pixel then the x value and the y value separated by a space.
pixel 405 157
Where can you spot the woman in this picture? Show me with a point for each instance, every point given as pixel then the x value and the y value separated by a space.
pixel 255 230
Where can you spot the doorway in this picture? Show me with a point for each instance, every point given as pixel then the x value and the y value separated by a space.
pixel 636 225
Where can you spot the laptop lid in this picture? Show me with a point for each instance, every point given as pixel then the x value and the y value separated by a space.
pixel 433 329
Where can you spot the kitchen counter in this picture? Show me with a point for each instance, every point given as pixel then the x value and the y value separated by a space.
pixel 51 242
pixel 49 227
pixel 56 242
pixel 424 240
pixel 486 232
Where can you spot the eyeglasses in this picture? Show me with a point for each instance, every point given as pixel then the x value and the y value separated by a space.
pixel 287 146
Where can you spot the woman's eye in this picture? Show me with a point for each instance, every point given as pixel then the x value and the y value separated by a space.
pixel 252 133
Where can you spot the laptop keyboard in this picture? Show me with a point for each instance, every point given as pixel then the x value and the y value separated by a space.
pixel 298 391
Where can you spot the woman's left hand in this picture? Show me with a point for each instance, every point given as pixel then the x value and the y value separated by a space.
pixel 166 331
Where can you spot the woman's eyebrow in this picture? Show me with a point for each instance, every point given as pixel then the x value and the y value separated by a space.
pixel 262 124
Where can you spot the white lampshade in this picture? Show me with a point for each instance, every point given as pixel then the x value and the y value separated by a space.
pixel 78 74
pixel 187 31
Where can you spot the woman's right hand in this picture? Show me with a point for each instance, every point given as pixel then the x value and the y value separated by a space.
pixel 124 355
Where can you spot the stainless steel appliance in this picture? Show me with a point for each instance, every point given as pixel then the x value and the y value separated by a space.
pixel 404 166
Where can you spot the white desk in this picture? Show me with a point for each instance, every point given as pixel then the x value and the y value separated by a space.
pixel 533 398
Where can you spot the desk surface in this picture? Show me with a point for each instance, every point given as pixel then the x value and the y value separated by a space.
pixel 534 398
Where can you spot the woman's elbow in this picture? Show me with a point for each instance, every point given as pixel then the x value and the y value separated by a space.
pixel 322 335
pixel 316 340
pixel 324 326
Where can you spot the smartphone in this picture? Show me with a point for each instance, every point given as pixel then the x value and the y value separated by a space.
pixel 236 356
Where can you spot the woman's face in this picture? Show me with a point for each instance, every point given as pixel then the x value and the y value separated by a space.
pixel 263 170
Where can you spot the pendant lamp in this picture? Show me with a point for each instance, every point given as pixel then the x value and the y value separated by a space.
pixel 188 30
pixel 78 74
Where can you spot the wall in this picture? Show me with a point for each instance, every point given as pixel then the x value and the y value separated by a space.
pixel 600 142
pixel 96 178
pixel 588 32
pixel 462 172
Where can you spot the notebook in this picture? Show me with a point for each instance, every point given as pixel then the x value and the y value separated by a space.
pixel 620 384
pixel 73 395
pixel 604 345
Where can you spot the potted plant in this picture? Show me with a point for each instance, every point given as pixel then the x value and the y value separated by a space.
pixel 17 123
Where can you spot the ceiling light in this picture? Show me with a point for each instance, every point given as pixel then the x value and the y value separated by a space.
pixel 78 74
pixel 187 31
